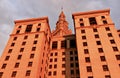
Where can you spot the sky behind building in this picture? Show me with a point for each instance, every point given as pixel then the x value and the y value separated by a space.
pixel 11 10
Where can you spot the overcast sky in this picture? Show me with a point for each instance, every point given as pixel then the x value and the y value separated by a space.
pixel 11 10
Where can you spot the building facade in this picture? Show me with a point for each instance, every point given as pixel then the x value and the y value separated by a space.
pixel 33 51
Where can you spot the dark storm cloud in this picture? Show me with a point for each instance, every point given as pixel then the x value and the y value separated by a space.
pixel 11 10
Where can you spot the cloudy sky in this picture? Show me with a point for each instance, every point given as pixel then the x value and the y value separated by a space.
pixel 11 10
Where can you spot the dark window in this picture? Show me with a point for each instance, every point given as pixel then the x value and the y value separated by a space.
pixel 76 64
pixel 77 72
pixel 100 50
pixel 30 64
pixel 105 68
pixel 63 44
pixel 90 76
pixel 14 73
pixel 63 65
pixel 102 58
pixel 83 37
pixel 39 24
pixel 33 48
pixel 76 52
pixel 38 29
pixel 95 30
pixel 118 57
pixel 96 36
pixel 71 58
pixel 63 72
pixel 7 58
pixel 107 28
pixel 84 43
pixel 115 48
pixel 10 50
pixel 25 37
pixel 19 57
pixel 55 60
pixel 72 72
pixel 15 38
pixel 109 35
pixel 55 66
pixel 20 26
pixel 32 56
pixel 71 52
pixel 18 31
pixel 87 59
pixel 112 41
pixel 36 35
pixel 98 42
pixel 63 59
pixel 56 53
pixel 50 66
pixel 104 22
pixel 92 21
pixel 86 51
pixel 12 44
pixel 23 43
pixel 54 45
pixel 89 69
pixel 35 42
pixel 51 54
pixel 29 28
pixel 51 60
pixel 4 66
pixel 21 49
pixel 82 31
pixel 81 24
pixel 102 16
pixel 107 76
pixel 63 53
pixel 1 74
pixel 71 64
pixel 16 65
pixel 54 72
pixel 72 43
pixel 28 72
pixel 76 58
pixel 81 19
pixel 50 73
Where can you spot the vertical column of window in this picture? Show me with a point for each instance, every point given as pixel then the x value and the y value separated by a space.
pixel 104 20
pixel 81 22
pixel 28 28
pixel 38 27
pixel 92 21
pixel 18 29
pixel 54 44
pixel 63 44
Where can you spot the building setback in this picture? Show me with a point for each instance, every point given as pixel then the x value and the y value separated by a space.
pixel 34 51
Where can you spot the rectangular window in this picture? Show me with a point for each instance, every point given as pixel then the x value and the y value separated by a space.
pixel 32 56
pixel 76 58
pixel 90 76
pixel 56 53
pixel 33 48
pixel 10 51
pixel 102 58
pixel 71 64
pixel 30 64
pixel 107 76
pixel 1 74
pixel 84 43
pixel 87 59
pixel 50 66
pixel 51 60
pixel 7 58
pixel 35 42
pixel 54 73
pixel 107 28
pixel 86 51
pixel 12 44
pixel 36 35
pixel 49 73
pixel 18 31
pixel 71 58
pixel 83 37
pixel 63 65
pixel 92 21
pixel 105 68
pixel 63 44
pixel 19 57
pixel 71 52
pixel 72 43
pixel 89 69
pixel 100 50
pixel 63 72
pixel 14 73
pixel 96 36
pixel 63 53
pixel 115 48
pixel 98 42
pixel 23 43
pixel 112 41
pixel 54 45
pixel 81 24
pixel 104 22
pixel 109 35
pixel 72 72
pixel 77 72
pixel 55 59
pixel 63 59
pixel 29 28
pixel 81 19
pixel 82 31
pixel 95 30
pixel 16 65
pixel 3 66
pixel 25 37
pixel 118 57
pixel 15 38
pixel 55 66
pixel 76 64
pixel 38 29
pixel 28 72
pixel 51 54
pixel 21 49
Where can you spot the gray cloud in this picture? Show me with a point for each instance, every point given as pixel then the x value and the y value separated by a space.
pixel 11 10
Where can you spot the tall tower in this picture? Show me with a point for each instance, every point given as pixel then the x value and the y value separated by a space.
pixel 26 53
pixel 98 44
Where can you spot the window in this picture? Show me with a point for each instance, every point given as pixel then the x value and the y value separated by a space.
pixel 33 48
pixel 12 44
pixel 109 35
pixel 7 58
pixel 54 72
pixel 112 41
pixel 21 49
pixel 87 59
pixel 76 58
pixel 77 72
pixel 54 45
pixel 55 66
pixel 107 76
pixel 76 64
pixel 18 31
pixel 90 76
pixel 30 64
pixel 89 69
pixel 71 64
pixel 102 58
pixel 50 66
pixel 82 31
pixel 71 52
pixel 19 57
pixel 83 37
pixel 86 51
pixel 23 43
pixel 63 72
pixel 76 52
pixel 81 19
pixel 28 72
pixel 84 43
pixel 29 28
pixel 63 53
pixel 51 54
pixel 118 57
pixel 63 59
pixel 51 60
pixel 20 26
pixel 10 50
pixel 50 73
pixel 95 30
pixel 63 65
pixel 72 43
pixel 55 60
pixel 71 58
pixel 63 44
pixel 115 48
pixel 104 22
pixel 36 35
pixel 107 28
pixel 72 72
pixel 25 37
pixel 35 42
pixel 105 68
pixel 38 29
pixel 98 42
pixel 56 53
pixel 16 65
pixel 92 21
pixel 14 73
pixel 15 38
pixel 102 17
pixel 31 55
pixel 39 24
pixel 96 36
pixel 1 74
pixel 100 50
pixel 4 66
pixel 81 24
